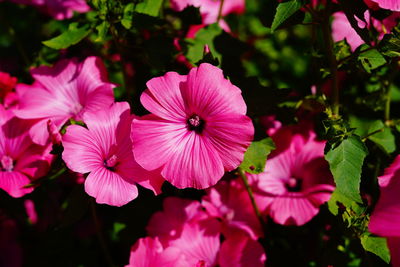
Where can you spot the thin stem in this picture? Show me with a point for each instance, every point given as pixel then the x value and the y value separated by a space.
pixel 387 104
pixel 327 34
pixel 251 195
pixel 100 237
pixel 221 5
pixel 372 133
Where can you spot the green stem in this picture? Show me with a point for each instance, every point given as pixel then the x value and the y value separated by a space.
pixel 251 195
pixel 220 10
pixel 387 104
pixel 100 237
pixel 372 133
pixel 327 35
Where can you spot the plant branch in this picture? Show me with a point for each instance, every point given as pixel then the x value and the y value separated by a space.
pixel 221 5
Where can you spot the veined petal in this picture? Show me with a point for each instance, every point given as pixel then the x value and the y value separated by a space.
pixel 107 187
pixel 81 152
pixel 163 97
pixel 13 183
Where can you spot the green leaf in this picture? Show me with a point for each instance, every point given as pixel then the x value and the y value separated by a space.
pixel 127 17
pixel 204 36
pixel 72 36
pixel 256 155
pixel 371 59
pixel 284 11
pixel 345 162
pixel 375 131
pixel 102 30
pixel 149 7
pixel 376 245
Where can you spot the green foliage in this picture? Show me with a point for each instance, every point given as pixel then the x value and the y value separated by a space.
pixel 149 7
pixel 376 245
pixel 127 17
pixel 72 36
pixel 256 155
pixel 203 37
pixel 284 11
pixel 345 162
pixel 370 58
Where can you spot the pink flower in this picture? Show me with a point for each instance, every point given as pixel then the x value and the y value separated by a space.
pixel 67 90
pixel 342 30
pixel 21 160
pixel 104 149
pixel 230 203
pixel 296 180
pixel 393 5
pixel 198 129
pixel 385 219
pixel 241 251
pixel 148 252
pixel 58 9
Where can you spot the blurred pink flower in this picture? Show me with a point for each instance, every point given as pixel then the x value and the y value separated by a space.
pixel 67 90
pixel 7 83
pixel 105 150
pixel 230 203
pixel 148 252
pixel 21 160
pixel 393 5
pixel 385 219
pixel 296 179
pixel 31 211
pixel 342 30
pixel 58 9
pixel 11 251
pixel 198 129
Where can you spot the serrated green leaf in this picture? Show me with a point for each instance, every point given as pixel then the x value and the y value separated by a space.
pixel 371 59
pixel 375 131
pixel 127 17
pixel 256 155
pixel 345 162
pixel 149 7
pixel 72 36
pixel 102 30
pixel 204 36
pixel 284 11
pixel 376 245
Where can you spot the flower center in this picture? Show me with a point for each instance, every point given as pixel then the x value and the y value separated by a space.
pixel 293 184
pixel 7 163
pixel 111 162
pixel 195 123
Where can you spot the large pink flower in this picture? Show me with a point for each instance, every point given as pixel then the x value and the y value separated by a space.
pixel 67 90
pixel 296 180
pixel 58 9
pixel 393 5
pixel 105 150
pixel 21 161
pixel 385 219
pixel 198 129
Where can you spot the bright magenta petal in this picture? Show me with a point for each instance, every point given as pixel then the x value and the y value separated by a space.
pixel 81 153
pixel 108 187
pixel 393 5
pixel 13 183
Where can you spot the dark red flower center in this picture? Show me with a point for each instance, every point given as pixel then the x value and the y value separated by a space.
pixel 7 163
pixel 195 123
pixel 294 184
pixel 111 162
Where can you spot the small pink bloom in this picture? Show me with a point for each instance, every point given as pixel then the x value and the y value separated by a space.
pixel 105 150
pixel 230 203
pixel 21 161
pixel 148 252
pixel 241 251
pixel 198 129
pixel 58 9
pixel 31 211
pixel 296 180
pixel 67 90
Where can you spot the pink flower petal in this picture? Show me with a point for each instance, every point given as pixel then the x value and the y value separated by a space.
pixel 241 251
pixel 393 5
pixel 394 247
pixel 166 104
pixel 107 187
pixel 13 183
pixel 81 153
